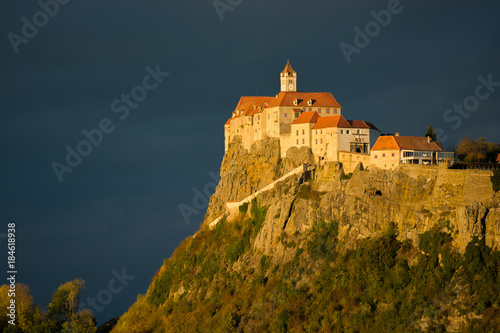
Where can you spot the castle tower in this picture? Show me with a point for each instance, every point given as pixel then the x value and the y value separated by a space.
pixel 288 79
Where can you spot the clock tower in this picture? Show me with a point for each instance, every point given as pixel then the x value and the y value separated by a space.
pixel 288 79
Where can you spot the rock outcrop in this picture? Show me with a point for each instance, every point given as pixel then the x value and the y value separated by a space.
pixel 415 198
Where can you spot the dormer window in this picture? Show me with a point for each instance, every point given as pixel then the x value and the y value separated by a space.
pixel 295 102
pixel 310 102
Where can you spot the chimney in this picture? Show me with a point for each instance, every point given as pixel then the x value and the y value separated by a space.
pixel 428 139
pixel 397 134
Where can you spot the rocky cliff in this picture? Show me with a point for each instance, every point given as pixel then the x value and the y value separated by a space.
pixel 414 197
pixel 324 251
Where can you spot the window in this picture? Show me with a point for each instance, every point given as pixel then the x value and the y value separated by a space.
pixel 321 131
pixel 392 154
pixel 297 141
pixel 303 141
pixel 383 155
pixel 376 156
pixel 316 141
pixel 321 140
pixel 341 131
pixel 296 114
pixel 316 132
pixel 327 111
pixel 319 110
pixel 290 81
pixel 285 115
pixel 358 130
pixel 303 132
pixel 297 132
pixel 347 132
pixel 334 111
pixel 268 116
pixel 310 109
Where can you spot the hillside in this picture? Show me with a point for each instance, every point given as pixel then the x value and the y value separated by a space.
pixel 324 251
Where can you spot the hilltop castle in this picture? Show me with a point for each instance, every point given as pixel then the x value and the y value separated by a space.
pixel 299 119
pixel 315 120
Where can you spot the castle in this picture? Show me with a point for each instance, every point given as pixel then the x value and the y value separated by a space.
pixel 315 120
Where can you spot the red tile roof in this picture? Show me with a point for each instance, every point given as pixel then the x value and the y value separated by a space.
pixel 319 99
pixel 385 143
pixel 228 122
pixel 498 158
pixel 247 101
pixel 331 121
pixel 419 143
pixel 362 124
pixel 307 117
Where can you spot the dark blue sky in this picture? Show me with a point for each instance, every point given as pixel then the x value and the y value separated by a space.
pixel 119 207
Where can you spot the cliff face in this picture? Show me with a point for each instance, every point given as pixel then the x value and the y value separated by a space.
pixel 244 172
pixel 415 198
pixel 295 255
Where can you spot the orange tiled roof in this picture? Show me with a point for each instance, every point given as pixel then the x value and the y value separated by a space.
pixel 386 143
pixel 288 69
pixel 256 100
pixel 391 142
pixel 250 105
pixel 320 99
pixel 498 158
pixel 331 121
pixel 307 117
pixel 228 122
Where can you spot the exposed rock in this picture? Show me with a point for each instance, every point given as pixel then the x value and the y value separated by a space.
pixel 415 198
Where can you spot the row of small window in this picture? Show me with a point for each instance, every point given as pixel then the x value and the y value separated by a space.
pixel 321 132
pixel 423 154
pixel 348 132
pixel 327 111
pixel 304 141
pixel 303 132
pixel 383 155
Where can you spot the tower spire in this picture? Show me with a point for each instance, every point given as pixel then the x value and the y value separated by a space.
pixel 288 78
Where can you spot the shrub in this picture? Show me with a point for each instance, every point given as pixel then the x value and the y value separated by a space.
pixel 235 250
pixel 161 289
pixel 243 208
pixel 495 180
pixel 258 215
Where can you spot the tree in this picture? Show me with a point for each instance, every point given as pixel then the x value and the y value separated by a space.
pixel 28 314
pixel 81 322
pixel 431 132
pixel 64 309
pixel 477 151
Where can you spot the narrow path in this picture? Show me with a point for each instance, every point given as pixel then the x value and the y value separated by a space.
pixel 236 204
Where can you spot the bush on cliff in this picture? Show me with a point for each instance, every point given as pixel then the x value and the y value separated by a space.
pixel 495 180
pixel 379 285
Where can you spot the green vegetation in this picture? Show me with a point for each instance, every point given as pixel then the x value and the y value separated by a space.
pixel 431 132
pixel 381 285
pixel 348 176
pixel 63 313
pixel 244 208
pixel 495 180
